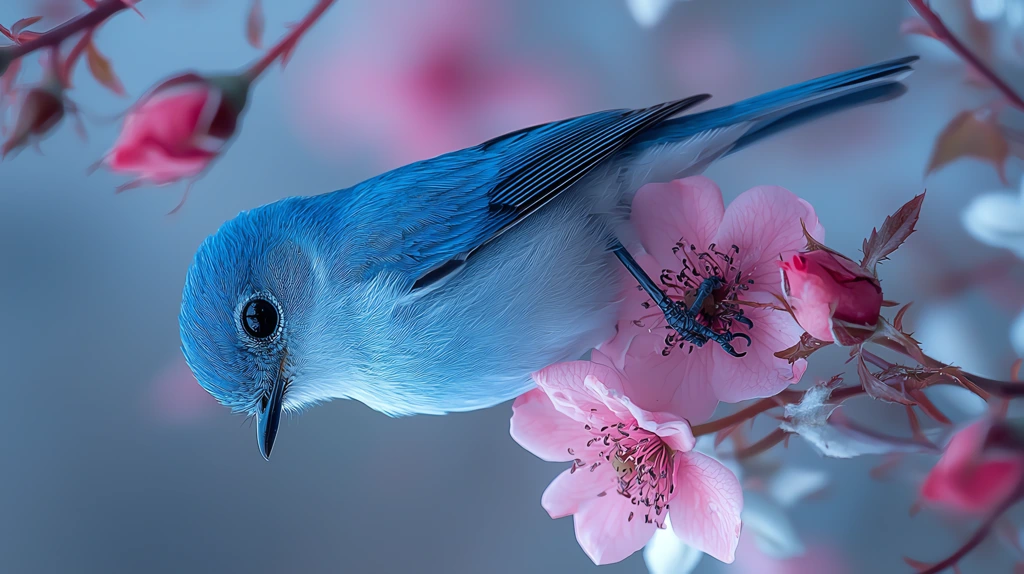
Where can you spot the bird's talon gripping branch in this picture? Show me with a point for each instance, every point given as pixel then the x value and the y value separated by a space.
pixel 683 320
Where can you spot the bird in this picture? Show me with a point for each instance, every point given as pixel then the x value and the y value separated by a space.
pixel 440 286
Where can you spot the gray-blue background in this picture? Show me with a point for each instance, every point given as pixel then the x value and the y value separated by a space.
pixel 113 461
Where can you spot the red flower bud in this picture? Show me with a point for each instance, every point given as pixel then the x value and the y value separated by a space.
pixel 178 128
pixel 979 471
pixel 833 298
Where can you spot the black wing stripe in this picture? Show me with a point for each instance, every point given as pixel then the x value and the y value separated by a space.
pixel 533 185
pixel 548 150
pixel 578 160
pixel 584 154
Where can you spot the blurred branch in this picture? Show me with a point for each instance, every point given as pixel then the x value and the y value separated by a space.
pixel 943 33
pixel 87 21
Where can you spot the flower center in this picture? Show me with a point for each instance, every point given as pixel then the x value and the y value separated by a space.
pixel 721 308
pixel 642 463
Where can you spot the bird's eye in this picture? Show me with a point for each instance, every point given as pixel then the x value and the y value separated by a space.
pixel 259 318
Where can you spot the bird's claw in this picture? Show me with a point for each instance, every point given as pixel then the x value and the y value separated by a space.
pixel 744 320
pixel 685 323
pixel 728 336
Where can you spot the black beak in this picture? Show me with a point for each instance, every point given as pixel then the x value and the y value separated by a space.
pixel 268 418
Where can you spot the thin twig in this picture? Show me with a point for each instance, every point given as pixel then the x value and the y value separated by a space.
pixel 86 21
pixel 944 34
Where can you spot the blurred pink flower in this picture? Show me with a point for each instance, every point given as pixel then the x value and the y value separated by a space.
pixel 631 468
pixel 438 86
pixel 688 236
pixel 176 397
pixel 176 130
pixel 823 287
pixel 972 476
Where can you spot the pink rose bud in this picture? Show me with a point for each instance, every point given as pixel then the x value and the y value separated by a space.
pixel 982 468
pixel 41 110
pixel 178 128
pixel 833 298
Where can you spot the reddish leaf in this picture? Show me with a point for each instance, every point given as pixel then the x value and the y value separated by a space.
pixel 27 36
pixel 72 59
pixel 7 81
pixel 898 320
pixel 928 407
pixel 101 69
pixel 254 25
pixel 888 303
pixel 725 433
pixel 91 3
pixel 972 133
pixel 803 349
pixel 878 389
pixel 24 23
pixel 917 26
pixel 895 230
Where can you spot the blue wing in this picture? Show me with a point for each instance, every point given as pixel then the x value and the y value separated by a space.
pixel 443 209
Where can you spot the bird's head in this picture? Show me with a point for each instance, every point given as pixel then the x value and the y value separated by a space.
pixel 244 317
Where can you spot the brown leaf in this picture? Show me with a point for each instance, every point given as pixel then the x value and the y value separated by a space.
pixel 254 25
pixel 803 349
pixel 101 69
pixel 878 389
pixel 20 25
pixel 895 230
pixel 972 133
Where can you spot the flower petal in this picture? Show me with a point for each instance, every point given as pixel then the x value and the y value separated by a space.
pixel 690 209
pixel 571 491
pixel 541 429
pixel 611 529
pixel 764 222
pixel 673 429
pixel 706 508
pixel 579 389
pixel 760 373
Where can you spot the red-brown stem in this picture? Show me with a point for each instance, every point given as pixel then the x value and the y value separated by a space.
pixel 771 439
pixel 975 540
pixel 783 398
pixel 943 33
pixel 86 21
pixel 286 43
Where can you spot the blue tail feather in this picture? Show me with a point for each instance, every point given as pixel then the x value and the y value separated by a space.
pixel 774 110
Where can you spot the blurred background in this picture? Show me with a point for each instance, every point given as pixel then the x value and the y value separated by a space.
pixel 116 461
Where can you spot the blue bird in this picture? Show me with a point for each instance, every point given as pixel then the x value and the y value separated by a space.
pixel 441 285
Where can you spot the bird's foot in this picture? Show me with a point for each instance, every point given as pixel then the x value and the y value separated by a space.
pixel 684 321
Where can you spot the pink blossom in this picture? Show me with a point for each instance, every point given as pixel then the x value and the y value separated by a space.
pixel 631 468
pixel 823 287
pixel 972 476
pixel 688 236
pixel 440 84
pixel 176 130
